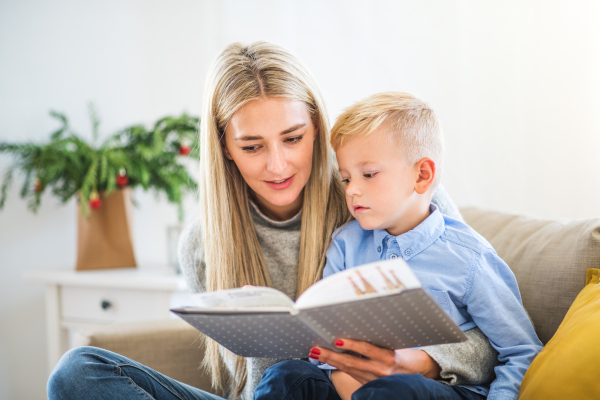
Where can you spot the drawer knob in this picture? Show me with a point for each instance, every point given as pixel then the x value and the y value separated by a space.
pixel 105 304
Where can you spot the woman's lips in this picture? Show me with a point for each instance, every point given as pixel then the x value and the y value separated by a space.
pixel 281 184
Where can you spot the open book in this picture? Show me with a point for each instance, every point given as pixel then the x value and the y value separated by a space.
pixel 381 303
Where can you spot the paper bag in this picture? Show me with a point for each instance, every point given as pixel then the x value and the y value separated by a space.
pixel 104 238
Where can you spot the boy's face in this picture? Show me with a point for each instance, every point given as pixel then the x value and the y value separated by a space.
pixel 380 185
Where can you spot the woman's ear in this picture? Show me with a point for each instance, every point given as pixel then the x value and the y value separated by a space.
pixel 426 169
pixel 225 151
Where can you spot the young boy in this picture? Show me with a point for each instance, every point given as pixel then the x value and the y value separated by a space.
pixel 390 152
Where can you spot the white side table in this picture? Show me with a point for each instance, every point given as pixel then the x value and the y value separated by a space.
pixel 76 298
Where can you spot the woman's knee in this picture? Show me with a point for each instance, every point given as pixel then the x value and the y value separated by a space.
pixel 71 370
pixel 291 367
pixel 293 379
pixel 410 386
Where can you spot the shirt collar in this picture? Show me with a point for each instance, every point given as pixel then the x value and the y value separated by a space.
pixel 418 239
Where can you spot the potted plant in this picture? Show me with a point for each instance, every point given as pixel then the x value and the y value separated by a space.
pixel 101 174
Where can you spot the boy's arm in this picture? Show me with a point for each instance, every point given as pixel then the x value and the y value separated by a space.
pixel 493 300
pixel 344 384
pixel 468 363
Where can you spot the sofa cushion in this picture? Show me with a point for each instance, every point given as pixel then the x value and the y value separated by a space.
pixel 171 347
pixel 568 367
pixel 548 258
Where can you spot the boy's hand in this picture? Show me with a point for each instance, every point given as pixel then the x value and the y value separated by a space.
pixel 381 362
pixel 344 384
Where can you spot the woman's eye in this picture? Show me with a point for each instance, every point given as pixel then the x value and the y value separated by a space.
pixel 370 175
pixel 250 149
pixel 295 139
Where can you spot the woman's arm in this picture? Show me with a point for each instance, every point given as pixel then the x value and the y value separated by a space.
pixel 380 362
pixel 444 203
pixel 191 257
pixel 468 363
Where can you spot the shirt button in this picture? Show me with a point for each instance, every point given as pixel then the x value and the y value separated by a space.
pixel 378 248
pixel 408 252
pixel 393 256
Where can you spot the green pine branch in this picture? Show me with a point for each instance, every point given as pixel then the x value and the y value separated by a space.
pixel 70 166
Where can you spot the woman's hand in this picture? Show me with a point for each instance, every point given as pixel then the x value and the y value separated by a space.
pixel 381 362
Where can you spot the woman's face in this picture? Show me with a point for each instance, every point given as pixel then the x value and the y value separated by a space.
pixel 271 142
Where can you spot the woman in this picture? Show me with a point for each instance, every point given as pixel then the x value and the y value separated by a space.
pixel 270 198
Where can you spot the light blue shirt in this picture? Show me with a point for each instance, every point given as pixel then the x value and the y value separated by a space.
pixel 461 271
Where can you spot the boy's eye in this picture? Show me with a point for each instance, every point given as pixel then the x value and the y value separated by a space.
pixel 250 149
pixel 295 139
pixel 370 175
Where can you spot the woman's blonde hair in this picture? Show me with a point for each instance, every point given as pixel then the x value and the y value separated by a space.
pixel 232 254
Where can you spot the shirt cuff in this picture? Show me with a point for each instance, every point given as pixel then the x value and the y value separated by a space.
pixel 502 395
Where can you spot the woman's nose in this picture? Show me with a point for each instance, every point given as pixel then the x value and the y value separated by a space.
pixel 277 162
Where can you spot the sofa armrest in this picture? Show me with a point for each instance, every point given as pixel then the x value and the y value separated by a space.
pixel 171 347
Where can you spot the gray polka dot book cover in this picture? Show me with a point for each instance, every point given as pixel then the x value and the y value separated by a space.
pixel 382 303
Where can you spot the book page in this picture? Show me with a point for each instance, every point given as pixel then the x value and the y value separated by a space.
pixel 369 280
pixel 255 297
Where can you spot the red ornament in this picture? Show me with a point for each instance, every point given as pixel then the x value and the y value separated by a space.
pixel 38 186
pixel 95 202
pixel 184 150
pixel 122 178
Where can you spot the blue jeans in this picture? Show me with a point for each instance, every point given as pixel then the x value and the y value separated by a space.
pixel 93 374
pixel 300 380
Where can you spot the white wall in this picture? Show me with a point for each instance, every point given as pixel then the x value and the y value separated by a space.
pixel 514 83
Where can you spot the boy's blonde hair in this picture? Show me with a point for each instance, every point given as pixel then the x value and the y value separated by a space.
pixel 411 123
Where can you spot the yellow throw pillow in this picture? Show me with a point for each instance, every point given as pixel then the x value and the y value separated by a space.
pixel 569 366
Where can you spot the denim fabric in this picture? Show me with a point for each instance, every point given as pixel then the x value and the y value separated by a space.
pixel 295 380
pixel 412 387
pixel 93 374
pixel 459 269
pixel 300 380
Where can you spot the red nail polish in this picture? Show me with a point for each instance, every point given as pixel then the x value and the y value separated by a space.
pixel 315 351
pixel 314 357
pixel 339 343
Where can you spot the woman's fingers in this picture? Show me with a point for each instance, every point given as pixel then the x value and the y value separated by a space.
pixel 366 349
pixel 380 362
pixel 361 369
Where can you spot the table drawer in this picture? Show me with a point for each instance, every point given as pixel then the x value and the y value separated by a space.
pixel 110 305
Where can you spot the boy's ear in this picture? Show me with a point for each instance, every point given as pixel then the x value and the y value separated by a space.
pixel 426 171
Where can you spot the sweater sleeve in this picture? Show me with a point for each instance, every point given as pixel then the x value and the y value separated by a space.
pixel 467 363
pixel 191 257
pixel 444 203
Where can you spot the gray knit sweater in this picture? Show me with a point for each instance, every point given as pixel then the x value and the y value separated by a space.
pixel 471 362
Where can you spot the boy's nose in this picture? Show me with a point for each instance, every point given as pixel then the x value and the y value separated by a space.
pixel 352 189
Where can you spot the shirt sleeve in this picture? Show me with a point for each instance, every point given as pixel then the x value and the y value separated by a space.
pixel 191 257
pixel 494 302
pixel 444 203
pixel 466 363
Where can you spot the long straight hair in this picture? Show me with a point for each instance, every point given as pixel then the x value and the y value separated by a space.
pixel 232 254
